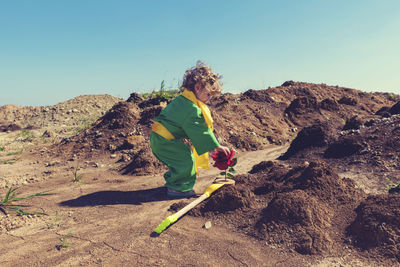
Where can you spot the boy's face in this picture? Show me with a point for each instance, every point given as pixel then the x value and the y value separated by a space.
pixel 201 92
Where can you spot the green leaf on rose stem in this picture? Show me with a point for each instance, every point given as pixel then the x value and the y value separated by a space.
pixel 222 173
pixel 234 161
pixel 229 175
pixel 232 170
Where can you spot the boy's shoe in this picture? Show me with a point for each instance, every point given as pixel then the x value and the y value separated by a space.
pixel 178 194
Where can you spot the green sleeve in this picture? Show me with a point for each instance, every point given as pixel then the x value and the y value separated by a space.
pixel 201 136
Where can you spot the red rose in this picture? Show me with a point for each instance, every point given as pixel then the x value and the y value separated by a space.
pixel 221 165
pixel 222 160
pixel 231 163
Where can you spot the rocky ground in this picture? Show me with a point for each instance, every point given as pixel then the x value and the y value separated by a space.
pixel 315 167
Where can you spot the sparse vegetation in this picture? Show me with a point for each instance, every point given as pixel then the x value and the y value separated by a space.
pixel 76 178
pixel 64 241
pixel 8 161
pixel 85 124
pixel 162 94
pixel 18 152
pixel 55 222
pixel 42 167
pixel 391 185
pixel 166 95
pixel 9 202
pixel 25 136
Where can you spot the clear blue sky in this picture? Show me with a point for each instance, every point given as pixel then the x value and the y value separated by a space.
pixel 51 51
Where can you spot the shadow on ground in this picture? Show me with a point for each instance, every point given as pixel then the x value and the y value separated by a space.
pixel 118 197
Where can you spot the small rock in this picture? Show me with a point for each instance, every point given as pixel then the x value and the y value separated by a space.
pixel 112 147
pixel 113 156
pixel 207 225
pixel 125 158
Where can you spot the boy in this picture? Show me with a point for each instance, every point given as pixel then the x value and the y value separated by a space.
pixel 187 117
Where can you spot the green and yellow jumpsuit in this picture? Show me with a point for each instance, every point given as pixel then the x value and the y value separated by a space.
pixel 184 120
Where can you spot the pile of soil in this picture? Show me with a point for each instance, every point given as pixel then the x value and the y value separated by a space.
pixel 377 225
pixel 289 207
pixel 374 146
pixel 68 113
pixel 123 133
pixel 246 122
pixel 298 205
pixel 307 208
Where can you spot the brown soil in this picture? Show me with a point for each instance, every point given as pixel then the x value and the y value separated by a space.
pixel 289 207
pixel 377 226
pixel 323 203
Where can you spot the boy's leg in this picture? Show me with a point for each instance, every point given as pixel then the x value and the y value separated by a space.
pixel 181 175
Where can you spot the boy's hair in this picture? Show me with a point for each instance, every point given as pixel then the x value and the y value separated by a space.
pixel 205 76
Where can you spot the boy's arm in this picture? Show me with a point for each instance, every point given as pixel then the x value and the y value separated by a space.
pixel 202 137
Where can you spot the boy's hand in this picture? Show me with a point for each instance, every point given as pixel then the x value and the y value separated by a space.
pixel 223 149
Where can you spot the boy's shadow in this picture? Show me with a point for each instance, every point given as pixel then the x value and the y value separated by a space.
pixel 118 197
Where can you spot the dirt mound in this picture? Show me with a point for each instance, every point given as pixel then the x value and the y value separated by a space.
pixel 373 147
pixel 85 108
pixel 302 105
pixel 377 225
pixel 343 148
pixel 312 136
pixel 353 123
pixel 229 199
pixel 302 214
pixel 289 207
pixel 329 104
pixel 120 134
pixel 395 109
pixel 246 121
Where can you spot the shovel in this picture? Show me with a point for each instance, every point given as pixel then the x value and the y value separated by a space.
pixel 174 217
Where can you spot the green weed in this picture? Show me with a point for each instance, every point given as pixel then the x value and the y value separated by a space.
pixel 55 222
pixel 8 161
pixel 9 202
pixel 64 241
pixel 25 136
pixel 390 185
pixel 76 178
pixel 85 124
pixel 14 153
pixel 2 148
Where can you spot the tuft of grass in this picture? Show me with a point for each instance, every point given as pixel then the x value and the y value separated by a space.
pixel 14 153
pixel 76 178
pixel 25 136
pixel 2 148
pixel 85 123
pixel 64 241
pixel 391 185
pixel 8 161
pixel 55 222
pixel 9 202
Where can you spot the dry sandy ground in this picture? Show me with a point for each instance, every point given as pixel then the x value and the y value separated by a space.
pixel 107 220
